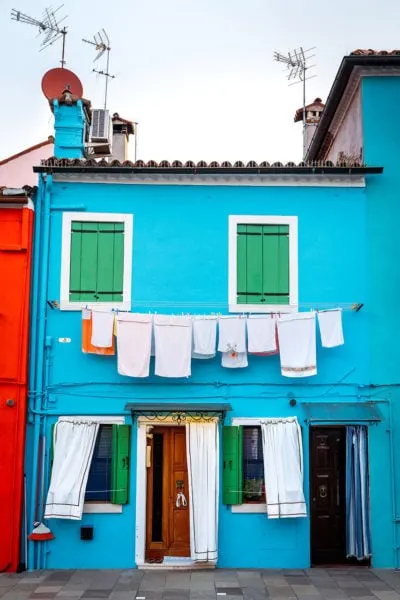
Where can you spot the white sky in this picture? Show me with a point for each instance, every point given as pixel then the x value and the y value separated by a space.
pixel 197 75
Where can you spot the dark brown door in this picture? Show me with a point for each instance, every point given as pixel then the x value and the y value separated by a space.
pixel 168 531
pixel 328 495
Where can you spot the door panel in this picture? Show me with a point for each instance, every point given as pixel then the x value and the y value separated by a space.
pixel 179 539
pixel 168 530
pixel 328 495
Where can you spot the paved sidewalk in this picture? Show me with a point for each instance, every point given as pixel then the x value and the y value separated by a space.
pixel 221 584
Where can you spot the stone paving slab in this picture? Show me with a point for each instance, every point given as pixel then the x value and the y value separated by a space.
pixel 221 584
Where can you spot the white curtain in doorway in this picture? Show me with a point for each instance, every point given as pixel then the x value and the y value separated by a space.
pixel 283 468
pixel 74 442
pixel 203 470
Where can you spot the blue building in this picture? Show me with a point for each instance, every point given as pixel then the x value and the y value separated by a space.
pixel 179 470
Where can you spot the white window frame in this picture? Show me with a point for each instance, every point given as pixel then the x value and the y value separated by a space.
pixel 253 507
pixel 127 220
pixel 95 507
pixel 292 222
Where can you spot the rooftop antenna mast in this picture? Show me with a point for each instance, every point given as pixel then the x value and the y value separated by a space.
pixel 49 26
pixel 297 66
pixel 101 43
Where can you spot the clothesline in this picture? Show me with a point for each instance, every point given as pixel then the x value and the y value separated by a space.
pixel 197 306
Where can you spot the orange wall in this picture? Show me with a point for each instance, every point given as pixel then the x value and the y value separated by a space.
pixel 15 264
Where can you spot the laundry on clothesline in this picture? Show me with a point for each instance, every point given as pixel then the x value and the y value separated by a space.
pixel 330 327
pixel 134 344
pixel 102 329
pixel 297 344
pixel 262 336
pixel 87 327
pixel 173 346
pixel 204 337
pixel 175 340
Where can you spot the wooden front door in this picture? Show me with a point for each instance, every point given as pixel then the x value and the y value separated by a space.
pixel 167 522
pixel 328 495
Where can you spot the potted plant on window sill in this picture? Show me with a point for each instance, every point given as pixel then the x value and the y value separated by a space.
pixel 254 490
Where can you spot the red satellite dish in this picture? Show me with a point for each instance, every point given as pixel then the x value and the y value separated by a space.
pixel 56 81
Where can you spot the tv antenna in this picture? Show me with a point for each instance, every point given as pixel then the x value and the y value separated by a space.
pixel 49 25
pixel 297 65
pixel 101 43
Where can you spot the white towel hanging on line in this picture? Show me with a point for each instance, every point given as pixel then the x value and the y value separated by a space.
pixel 261 334
pixel 102 329
pixel 297 344
pixel 173 345
pixel 134 344
pixel 330 327
pixel 204 337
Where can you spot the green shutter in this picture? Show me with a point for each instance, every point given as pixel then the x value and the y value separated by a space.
pixel 97 262
pixel 241 262
pixel 263 264
pixel 232 465
pixel 276 264
pixel 120 464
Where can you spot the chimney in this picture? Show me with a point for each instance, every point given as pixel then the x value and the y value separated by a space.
pixel 122 129
pixel 71 119
pixel 313 116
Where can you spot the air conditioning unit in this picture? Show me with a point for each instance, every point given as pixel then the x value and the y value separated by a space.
pixel 100 134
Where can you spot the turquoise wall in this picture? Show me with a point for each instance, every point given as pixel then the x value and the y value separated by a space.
pixel 180 254
pixel 381 127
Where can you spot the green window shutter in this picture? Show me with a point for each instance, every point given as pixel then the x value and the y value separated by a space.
pixel 263 264
pixel 97 261
pixel 232 465
pixel 120 464
pixel 276 264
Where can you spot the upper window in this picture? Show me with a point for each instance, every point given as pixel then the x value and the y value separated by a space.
pixel 96 260
pixel 262 263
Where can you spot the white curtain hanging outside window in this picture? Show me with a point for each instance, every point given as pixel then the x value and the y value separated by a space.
pixel 74 442
pixel 202 447
pixel 283 468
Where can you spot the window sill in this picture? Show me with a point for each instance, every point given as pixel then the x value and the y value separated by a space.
pixel 263 308
pixel 123 306
pixel 102 507
pixel 249 508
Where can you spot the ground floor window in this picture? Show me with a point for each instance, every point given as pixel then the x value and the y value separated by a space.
pixel 253 466
pixel 99 483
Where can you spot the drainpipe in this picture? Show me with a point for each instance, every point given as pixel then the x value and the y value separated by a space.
pixel 41 281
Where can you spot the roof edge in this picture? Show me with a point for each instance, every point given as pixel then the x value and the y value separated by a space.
pixel 337 89
pixel 50 140
pixel 295 170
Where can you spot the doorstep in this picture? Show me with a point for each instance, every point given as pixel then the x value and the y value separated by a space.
pixel 185 565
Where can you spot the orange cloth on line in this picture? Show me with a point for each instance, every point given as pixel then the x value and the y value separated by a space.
pixel 87 346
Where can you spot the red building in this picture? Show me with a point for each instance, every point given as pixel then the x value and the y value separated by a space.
pixel 16 226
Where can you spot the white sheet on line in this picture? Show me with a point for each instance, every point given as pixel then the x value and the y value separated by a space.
pixel 261 334
pixel 173 345
pixel 283 468
pixel 330 327
pixel 204 337
pixel 74 442
pixel 232 334
pixel 297 344
pixel 134 344
pixel 102 329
